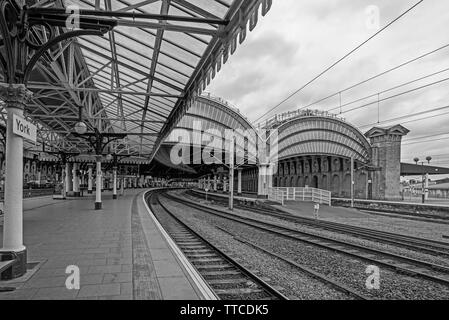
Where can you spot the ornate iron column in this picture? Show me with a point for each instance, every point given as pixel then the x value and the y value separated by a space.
pixel 15 96
pixel 115 163
pixel 98 186
pixel 239 181
pixel 76 180
pixel 68 178
pixel 89 179
pixel 63 158
pixel 99 141
pixel 20 50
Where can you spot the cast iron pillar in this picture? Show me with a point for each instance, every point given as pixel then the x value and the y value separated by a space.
pixel 98 204
pixel 239 182
pixel 76 181
pixel 15 97
pixel 89 179
pixel 114 183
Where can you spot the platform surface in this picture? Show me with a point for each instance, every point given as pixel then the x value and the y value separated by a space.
pixel 118 251
pixel 443 203
pixel 243 196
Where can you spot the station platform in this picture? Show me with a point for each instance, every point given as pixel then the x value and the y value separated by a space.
pixel 249 197
pixel 437 203
pixel 120 252
pixel 411 225
pixel 306 210
pixel 303 209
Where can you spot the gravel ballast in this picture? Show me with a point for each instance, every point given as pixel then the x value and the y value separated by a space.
pixel 344 269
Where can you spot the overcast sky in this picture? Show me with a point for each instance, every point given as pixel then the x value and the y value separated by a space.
pixel 300 38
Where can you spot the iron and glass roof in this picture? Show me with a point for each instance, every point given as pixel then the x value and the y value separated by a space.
pixel 315 133
pixel 141 76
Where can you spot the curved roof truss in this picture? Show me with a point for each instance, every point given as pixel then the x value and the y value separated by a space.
pixel 319 135
pixel 141 76
pixel 214 115
pixel 210 116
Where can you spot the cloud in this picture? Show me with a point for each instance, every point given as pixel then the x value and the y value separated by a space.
pixel 298 39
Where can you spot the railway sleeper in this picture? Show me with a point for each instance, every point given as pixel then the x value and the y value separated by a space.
pixel 192 247
pixel 227 282
pixel 238 291
pixel 194 250
pixel 206 261
pixel 194 255
pixel 211 267
pixel 189 243
pixel 406 271
pixel 217 274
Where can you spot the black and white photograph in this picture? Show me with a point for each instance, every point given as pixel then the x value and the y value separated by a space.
pixel 224 158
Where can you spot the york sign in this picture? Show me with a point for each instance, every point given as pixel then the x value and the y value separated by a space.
pixel 23 128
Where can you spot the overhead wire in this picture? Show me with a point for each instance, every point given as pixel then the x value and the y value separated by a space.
pixel 376 76
pixel 340 60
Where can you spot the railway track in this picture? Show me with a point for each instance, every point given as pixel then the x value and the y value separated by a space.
pixel 229 279
pixel 401 264
pixel 304 269
pixel 434 247
pixel 430 246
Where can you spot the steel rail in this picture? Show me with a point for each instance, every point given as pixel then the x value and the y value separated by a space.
pixel 389 260
pixel 321 277
pixel 203 245
pixel 426 245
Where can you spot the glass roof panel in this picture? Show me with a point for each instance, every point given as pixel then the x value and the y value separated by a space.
pixel 135 76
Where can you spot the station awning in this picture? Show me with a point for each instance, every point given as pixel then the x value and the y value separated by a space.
pixel 409 169
pixel 140 77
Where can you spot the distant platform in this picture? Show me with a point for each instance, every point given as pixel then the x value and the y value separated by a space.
pixel 249 197
pixel 441 203
pixel 306 209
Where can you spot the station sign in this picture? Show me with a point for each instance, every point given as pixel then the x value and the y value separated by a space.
pixel 23 128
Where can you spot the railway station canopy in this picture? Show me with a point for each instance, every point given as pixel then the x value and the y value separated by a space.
pixel 129 67
pixel 411 169
pixel 209 117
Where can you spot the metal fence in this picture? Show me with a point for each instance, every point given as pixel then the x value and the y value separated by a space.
pixel 276 195
pixel 31 193
pixel 300 194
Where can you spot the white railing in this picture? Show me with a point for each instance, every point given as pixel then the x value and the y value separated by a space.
pixel 300 194
pixel 276 195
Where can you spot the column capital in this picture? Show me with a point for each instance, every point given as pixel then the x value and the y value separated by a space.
pixel 15 95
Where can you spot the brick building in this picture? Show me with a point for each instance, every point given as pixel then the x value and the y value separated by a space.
pixel 315 150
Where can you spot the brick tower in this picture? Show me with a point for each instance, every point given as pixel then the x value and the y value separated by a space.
pixel 386 157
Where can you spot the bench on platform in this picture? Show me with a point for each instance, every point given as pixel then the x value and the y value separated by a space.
pixel 5 265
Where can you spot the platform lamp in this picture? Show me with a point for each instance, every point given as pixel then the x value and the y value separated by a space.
pixel 80 126
pixel 424 183
pixel 98 141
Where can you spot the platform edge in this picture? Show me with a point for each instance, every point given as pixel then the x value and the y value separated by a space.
pixel 197 280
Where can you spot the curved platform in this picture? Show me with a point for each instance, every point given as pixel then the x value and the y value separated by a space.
pixel 121 253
